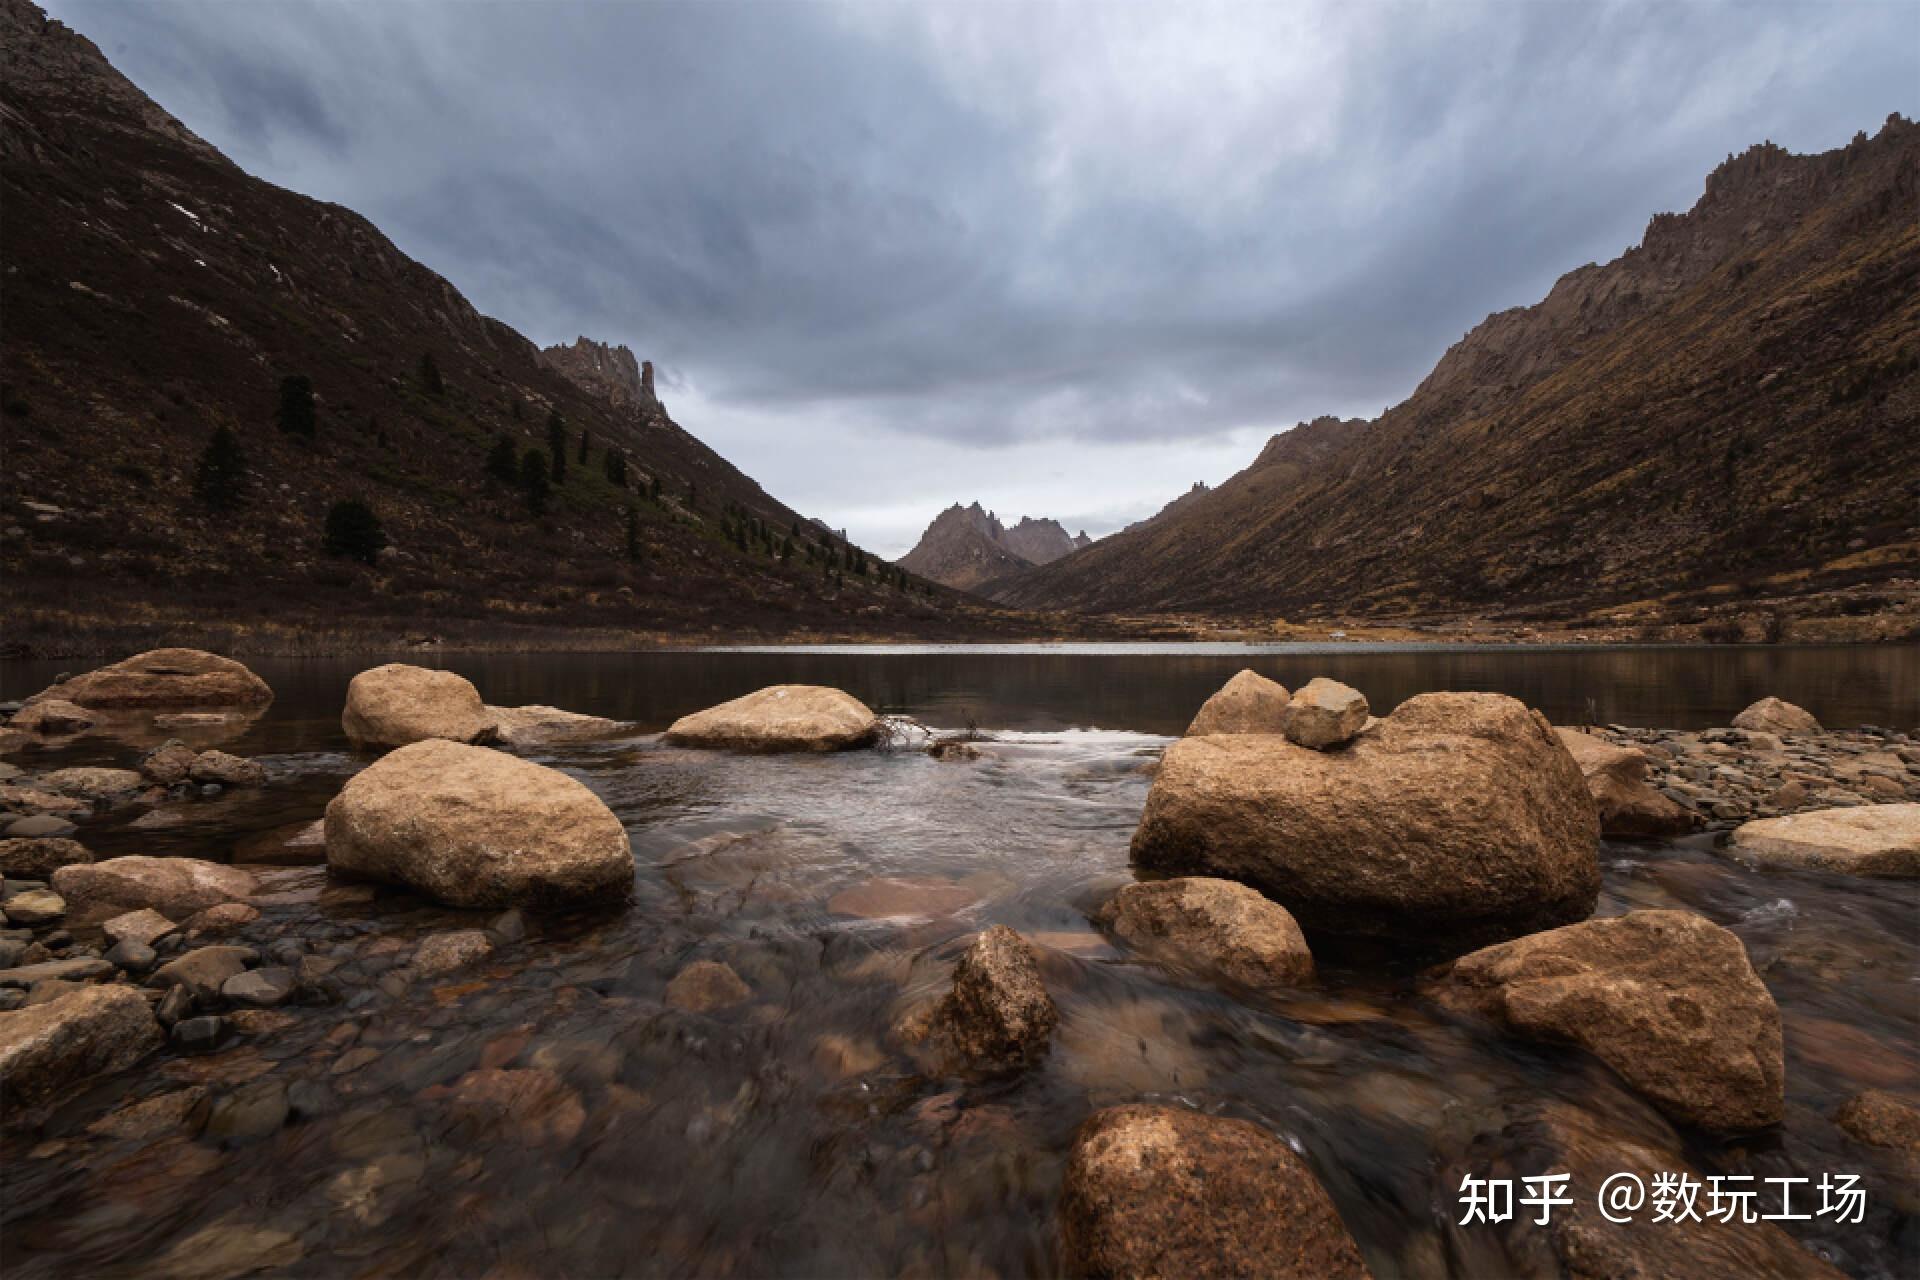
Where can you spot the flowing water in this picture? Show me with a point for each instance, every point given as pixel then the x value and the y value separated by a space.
pixel 786 1135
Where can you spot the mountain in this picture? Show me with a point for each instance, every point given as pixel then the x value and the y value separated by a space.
pixel 1180 503
pixel 968 547
pixel 155 293
pixel 1729 411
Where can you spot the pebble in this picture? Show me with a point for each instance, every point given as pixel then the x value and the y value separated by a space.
pixel 36 907
pixel 175 1005
pixel 41 826
pixel 199 1035
pixel 260 987
pixel 134 957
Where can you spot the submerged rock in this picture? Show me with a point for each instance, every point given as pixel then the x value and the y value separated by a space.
pixel 1868 840
pixel 1616 777
pixel 1879 1119
pixel 175 887
pixel 93 783
pixel 52 717
pixel 227 770
pixel 47 1049
pixel 473 827
pixel 397 704
pixel 786 717
pixel 204 970
pixel 1667 999
pixel 1215 928
pixel 998 1017
pixel 1162 1191
pixel 1324 713
pixel 163 680
pixel 1456 820
pixel 706 985
pixel 1248 703
pixel 170 763
pixel 443 953
pixel 534 725
pixel 1771 715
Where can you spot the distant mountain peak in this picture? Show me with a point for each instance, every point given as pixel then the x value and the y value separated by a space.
pixel 610 372
pixel 967 546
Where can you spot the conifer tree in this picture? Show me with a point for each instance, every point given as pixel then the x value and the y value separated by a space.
pixel 296 414
pixel 584 433
pixel 614 464
pixel 503 463
pixel 220 475
pixel 354 531
pixel 430 377
pixel 557 445
pixel 633 535
pixel 534 486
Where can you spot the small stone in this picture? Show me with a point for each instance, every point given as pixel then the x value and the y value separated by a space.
pixel 260 987
pixel 155 1117
pixel 170 763
pixel 41 826
pixel 706 985
pixel 509 926
pixel 227 770
pixel 77 969
pixel 199 1035
pixel 1324 713
pixel 204 970
pixel 175 1005
pixel 250 1112
pixel 134 957
pixel 36 907
pixel 1879 1119
pixel 219 921
pixel 446 952
pixel 145 926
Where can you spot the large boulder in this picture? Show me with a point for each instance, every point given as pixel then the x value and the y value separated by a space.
pixel 1457 820
pixel 1248 703
pixel 175 887
pixel 47 1049
pixel 534 725
pixel 394 705
pixel 164 680
pixel 1214 928
pixel 1665 998
pixel 997 1018
pixel 1163 1191
pixel 1629 807
pixel 51 717
pixel 784 717
pixel 473 827
pixel 1324 713
pixel 1771 715
pixel 1868 840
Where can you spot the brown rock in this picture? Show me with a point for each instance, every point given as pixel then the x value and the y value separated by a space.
pixel 1162 1191
pixel 155 1117
pixel 164 680
pixel 203 971
pixel 221 919
pixel 534 725
pixel 36 800
pixel 706 985
pixel 48 1049
pixel 477 828
pixel 51 717
pixel 145 927
pixel 1457 819
pixel 227 770
pixel 1771 715
pixel 175 887
pixel 35 859
pixel 1215 928
pixel 998 1017
pixel 1665 998
pixel 170 763
pixel 1868 840
pixel 893 897
pixel 444 953
pixel 1879 1119
pixel 397 704
pixel 786 717
pixel 1616 777
pixel 528 1106
pixel 93 783
pixel 1248 703
pixel 1323 713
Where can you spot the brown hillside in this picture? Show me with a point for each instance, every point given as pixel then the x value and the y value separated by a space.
pixel 1732 406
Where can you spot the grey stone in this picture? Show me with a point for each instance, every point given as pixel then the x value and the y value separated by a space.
pixel 134 957
pixel 200 1035
pixel 174 1006
pixel 262 987
pixel 41 826
pixel 79 969
pixel 250 1112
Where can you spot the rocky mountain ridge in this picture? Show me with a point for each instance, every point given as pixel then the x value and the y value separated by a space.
pixel 967 547
pixel 611 372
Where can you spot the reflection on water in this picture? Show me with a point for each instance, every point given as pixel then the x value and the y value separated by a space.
pixel 548 1113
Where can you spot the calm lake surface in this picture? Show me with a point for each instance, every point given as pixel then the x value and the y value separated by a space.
pixel 787 1136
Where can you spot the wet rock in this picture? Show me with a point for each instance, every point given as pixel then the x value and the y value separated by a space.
pixel 1248 703
pixel 227 770
pixel 443 953
pixel 1616 777
pixel 11 998
pixel 843 1057
pixel 228 1250
pixel 175 1006
pixel 38 859
pixel 508 927
pixel 52 717
pixel 1214 928
pixel 1871 840
pixel 707 985
pixel 787 717
pixel 175 887
pixel 221 920
pixel 535 725
pixel 397 704
pixel 134 957
pixel 526 1105
pixel 477 828
pixel 145 926
pixel 898 898
pixel 169 1113
pixel 1162 1191
pixel 164 680
pixel 74 969
pixel 953 749
pixel 50 1048
pixel 1771 715
pixel 368 1195
pixel 36 907
pixel 49 989
pixel 170 763
pixel 1323 714
pixel 262 988
pixel 998 1017
pixel 1455 820
pixel 41 826
pixel 1880 1119
pixel 204 970
pixel 1667 999
pixel 251 1112
pixel 93 783
pixel 200 1035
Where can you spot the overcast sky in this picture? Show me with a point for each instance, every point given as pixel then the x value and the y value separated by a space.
pixel 1063 259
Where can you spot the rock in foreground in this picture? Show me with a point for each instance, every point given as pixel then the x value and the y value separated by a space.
pixel 784 717
pixel 164 680
pixel 1214 928
pixel 998 1017
pixel 1665 998
pixel 1161 1191
pixel 1871 840
pixel 1248 703
pixel 1456 820
pixel 397 704
pixel 1324 713
pixel 1771 715
pixel 473 827
pixel 175 887
pixel 47 1049
pixel 1629 808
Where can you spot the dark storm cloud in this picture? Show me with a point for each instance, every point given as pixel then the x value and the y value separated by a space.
pixel 1006 224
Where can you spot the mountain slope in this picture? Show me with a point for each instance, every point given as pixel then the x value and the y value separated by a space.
pixel 155 292
pixel 967 547
pixel 1731 407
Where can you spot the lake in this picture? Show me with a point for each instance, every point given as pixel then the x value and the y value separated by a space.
pixel 617 1135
